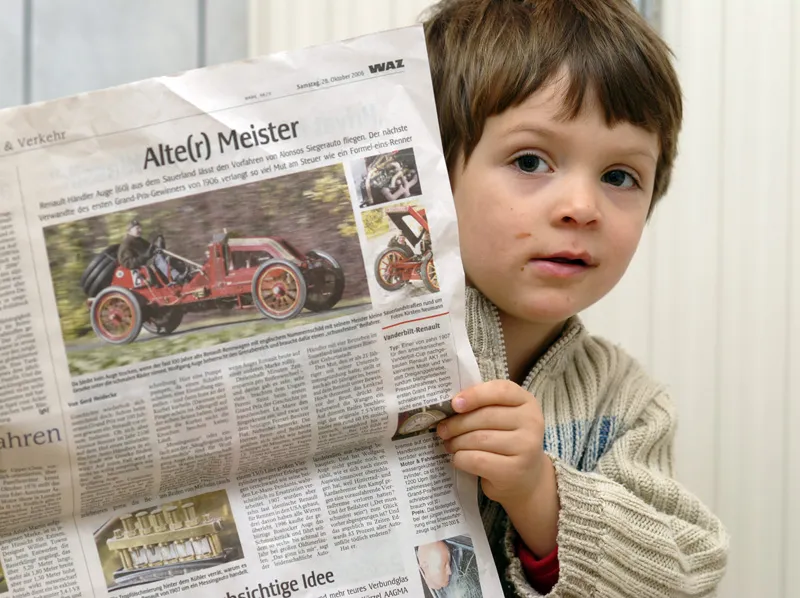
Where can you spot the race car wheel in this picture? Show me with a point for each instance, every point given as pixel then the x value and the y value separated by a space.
pixel 385 273
pixel 116 315
pixel 100 271
pixel 164 321
pixel 325 281
pixel 279 290
pixel 428 274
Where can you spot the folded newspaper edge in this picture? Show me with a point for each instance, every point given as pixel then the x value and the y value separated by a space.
pixel 232 314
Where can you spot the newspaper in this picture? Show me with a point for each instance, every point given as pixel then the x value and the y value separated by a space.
pixel 231 311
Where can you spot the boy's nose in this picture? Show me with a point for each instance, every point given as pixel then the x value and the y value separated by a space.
pixel 578 204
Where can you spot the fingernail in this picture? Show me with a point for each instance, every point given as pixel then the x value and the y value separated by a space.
pixel 459 403
pixel 442 430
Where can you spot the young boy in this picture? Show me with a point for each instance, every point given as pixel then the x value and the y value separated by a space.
pixel 559 120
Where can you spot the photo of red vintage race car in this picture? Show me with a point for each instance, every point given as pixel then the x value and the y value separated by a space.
pixel 267 273
pixel 408 255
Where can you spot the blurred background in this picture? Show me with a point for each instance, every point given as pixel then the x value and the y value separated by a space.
pixel 710 303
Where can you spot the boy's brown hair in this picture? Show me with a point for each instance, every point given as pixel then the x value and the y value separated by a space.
pixel 490 55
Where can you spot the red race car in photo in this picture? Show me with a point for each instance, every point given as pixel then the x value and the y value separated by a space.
pixel 409 255
pixel 265 272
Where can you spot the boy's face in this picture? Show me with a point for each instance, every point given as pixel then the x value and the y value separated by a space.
pixel 551 211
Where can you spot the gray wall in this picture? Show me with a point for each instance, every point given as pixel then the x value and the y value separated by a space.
pixel 55 48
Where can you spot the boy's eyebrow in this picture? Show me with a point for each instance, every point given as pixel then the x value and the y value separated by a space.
pixel 633 150
pixel 638 152
pixel 528 128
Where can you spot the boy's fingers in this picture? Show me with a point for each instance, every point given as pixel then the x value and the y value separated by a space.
pixel 479 463
pixel 488 418
pixel 495 392
pixel 491 441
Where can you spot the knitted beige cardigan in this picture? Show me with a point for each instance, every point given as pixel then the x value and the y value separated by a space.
pixel 626 526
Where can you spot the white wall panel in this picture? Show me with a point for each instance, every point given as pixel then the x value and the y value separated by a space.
pixel 409 12
pixel 753 302
pixel 686 275
pixel 367 15
pixel 344 22
pixel 12 52
pixel 270 29
pixel 278 25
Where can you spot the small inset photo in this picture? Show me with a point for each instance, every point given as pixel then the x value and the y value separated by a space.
pixel 388 177
pixel 421 420
pixel 168 540
pixel 400 252
pixel 448 568
pixel 3 582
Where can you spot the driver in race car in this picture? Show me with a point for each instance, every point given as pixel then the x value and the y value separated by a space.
pixel 134 251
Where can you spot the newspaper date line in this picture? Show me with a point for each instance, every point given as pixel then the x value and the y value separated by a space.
pixel 333 79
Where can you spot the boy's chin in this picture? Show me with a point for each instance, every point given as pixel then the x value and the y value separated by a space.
pixel 545 310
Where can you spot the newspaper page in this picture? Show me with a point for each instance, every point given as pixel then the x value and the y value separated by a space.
pixel 231 309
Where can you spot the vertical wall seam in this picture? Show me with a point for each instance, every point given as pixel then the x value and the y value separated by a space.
pixel 292 41
pixel 254 30
pixel 720 265
pixel 329 33
pixel 791 272
pixel 27 51
pixel 202 33
pixel 353 12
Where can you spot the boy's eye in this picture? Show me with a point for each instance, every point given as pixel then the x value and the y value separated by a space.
pixel 531 163
pixel 619 178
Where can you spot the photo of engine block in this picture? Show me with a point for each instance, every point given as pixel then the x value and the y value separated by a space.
pixel 166 541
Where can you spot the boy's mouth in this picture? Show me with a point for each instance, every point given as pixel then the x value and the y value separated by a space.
pixel 574 259
pixel 562 265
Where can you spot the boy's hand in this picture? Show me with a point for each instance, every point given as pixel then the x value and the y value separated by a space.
pixel 498 435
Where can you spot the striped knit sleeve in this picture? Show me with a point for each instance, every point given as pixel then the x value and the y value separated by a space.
pixel 628 528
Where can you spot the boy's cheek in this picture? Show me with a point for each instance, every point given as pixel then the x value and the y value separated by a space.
pixel 476 266
pixel 491 255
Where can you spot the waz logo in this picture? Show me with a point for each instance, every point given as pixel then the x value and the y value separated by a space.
pixel 386 66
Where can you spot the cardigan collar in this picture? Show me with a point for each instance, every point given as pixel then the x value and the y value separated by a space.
pixel 486 338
